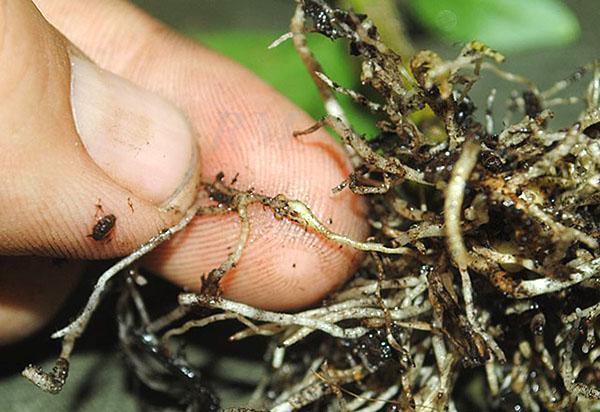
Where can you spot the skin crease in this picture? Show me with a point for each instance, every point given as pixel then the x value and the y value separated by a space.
pixel 244 128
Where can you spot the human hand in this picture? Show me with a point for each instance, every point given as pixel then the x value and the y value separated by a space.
pixel 73 136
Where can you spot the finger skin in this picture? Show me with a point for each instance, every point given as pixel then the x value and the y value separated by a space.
pixel 244 128
pixel 52 191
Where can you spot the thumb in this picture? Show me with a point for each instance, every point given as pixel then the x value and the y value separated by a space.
pixel 78 143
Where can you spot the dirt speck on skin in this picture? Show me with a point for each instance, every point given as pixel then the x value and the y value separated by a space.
pixel 104 227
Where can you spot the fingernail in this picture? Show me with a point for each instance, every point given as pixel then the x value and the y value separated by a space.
pixel 139 139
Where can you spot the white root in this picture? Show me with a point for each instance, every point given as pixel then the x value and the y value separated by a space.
pixel 281 39
pixel 312 221
pixel 332 106
pixel 508 259
pixel 455 193
pixel 199 323
pixel 54 381
pixel 381 400
pixel 396 315
pixel 188 299
pixel 542 286
pixel 76 328
pixel 357 97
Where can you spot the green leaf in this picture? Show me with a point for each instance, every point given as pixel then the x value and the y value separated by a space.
pixel 506 25
pixel 281 68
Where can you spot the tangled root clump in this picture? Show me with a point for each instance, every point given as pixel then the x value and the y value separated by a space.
pixel 483 254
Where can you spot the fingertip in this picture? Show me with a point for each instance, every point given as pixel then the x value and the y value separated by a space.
pixel 283 265
pixel 303 270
